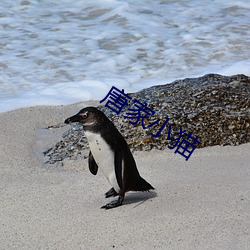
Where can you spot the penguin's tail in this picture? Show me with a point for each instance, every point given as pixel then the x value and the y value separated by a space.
pixel 141 185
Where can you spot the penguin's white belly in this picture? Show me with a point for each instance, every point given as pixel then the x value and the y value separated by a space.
pixel 104 157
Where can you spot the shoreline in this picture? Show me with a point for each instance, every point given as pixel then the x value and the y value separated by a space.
pixel 202 202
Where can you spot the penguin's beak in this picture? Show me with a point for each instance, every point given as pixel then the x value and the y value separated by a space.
pixel 74 118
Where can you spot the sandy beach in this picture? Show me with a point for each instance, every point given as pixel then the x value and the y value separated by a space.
pixel 202 203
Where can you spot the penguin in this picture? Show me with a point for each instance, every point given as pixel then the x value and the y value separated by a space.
pixel 110 152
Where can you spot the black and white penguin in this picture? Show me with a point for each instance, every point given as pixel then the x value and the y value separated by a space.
pixel 110 152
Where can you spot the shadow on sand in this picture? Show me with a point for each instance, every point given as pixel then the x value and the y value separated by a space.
pixel 138 198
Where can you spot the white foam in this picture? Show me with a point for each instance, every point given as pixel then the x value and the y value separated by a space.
pixel 63 52
pixel 242 67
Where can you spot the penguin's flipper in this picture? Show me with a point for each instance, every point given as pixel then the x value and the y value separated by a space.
pixel 118 166
pixel 111 193
pixel 93 167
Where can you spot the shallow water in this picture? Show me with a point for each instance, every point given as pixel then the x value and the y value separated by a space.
pixel 63 52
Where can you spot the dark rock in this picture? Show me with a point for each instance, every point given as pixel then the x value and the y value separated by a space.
pixel 216 108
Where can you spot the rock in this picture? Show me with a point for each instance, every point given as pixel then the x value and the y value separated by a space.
pixel 216 108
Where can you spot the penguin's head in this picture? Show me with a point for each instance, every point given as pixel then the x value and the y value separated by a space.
pixel 88 117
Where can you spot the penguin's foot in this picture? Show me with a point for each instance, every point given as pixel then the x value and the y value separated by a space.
pixel 111 193
pixel 113 204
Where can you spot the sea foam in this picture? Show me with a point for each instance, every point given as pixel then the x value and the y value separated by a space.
pixel 62 52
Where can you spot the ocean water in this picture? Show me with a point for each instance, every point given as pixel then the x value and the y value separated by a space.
pixel 61 52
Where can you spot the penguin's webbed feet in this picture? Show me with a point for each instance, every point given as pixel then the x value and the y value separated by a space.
pixel 113 204
pixel 111 193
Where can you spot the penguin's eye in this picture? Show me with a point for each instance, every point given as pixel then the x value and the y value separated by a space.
pixel 84 115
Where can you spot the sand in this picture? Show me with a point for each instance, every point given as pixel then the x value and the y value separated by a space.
pixel 202 203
